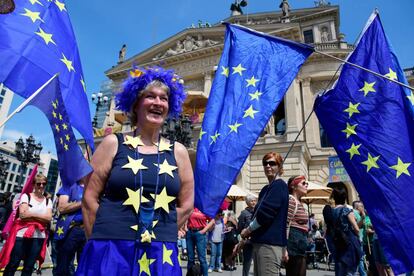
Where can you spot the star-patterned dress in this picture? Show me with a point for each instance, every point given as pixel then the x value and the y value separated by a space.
pixel 135 231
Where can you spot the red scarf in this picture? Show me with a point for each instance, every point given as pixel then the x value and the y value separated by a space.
pixel 8 246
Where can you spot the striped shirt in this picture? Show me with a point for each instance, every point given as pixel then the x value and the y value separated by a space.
pixel 300 218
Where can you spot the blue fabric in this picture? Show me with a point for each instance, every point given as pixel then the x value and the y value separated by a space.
pixel 271 214
pixel 216 251
pixel 121 257
pixel 63 221
pixel 383 138
pixel 198 241
pixel 28 60
pixel 72 244
pixel 71 162
pixel 298 243
pixel 114 219
pixel 248 86
pixel 76 194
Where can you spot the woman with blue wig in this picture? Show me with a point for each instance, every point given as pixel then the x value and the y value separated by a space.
pixel 142 189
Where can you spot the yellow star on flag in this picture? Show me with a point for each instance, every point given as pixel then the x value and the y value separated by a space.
pixel 134 227
pixel 225 71
pixel 238 69
pixel 64 217
pixel 234 127
pixel 146 237
pixel 54 114
pixel 65 126
pixel 349 130
pixel 401 168
pixel 57 128
pixel 144 264
pixel 251 82
pixel 60 117
pixel 255 95
pixel 165 145
pixel 60 231
pixel 67 137
pixel 368 87
pixel 83 84
pixel 353 150
pixel 54 105
pixel 60 5
pixel 66 147
pixel 166 255
pixel 134 165
pixel 32 15
pixel 133 141
pixel 371 162
pixel 153 226
pixel 411 98
pixel 215 136
pixel 68 63
pixel 250 112
pixel 135 198
pixel 201 133
pixel 162 200
pixel 391 75
pixel 166 168
pixel 352 108
pixel 61 140
pixel 46 37
pixel 36 2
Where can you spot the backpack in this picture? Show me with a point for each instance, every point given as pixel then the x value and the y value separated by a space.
pixel 340 238
pixel 28 203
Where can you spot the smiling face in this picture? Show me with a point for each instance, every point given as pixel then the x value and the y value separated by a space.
pixel 40 184
pixel 271 169
pixel 152 106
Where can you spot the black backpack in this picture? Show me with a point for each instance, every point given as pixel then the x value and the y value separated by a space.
pixel 340 238
pixel 28 203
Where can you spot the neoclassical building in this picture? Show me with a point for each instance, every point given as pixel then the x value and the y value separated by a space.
pixel 194 54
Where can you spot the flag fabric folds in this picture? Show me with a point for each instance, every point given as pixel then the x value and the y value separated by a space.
pixel 368 121
pixel 37 41
pixel 72 164
pixel 253 75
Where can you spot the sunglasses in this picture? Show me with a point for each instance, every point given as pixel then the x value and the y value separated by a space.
pixel 270 163
pixel 40 184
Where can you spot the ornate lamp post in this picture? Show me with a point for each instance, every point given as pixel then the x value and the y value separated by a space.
pixel 100 101
pixel 26 153
pixel 4 165
pixel 180 130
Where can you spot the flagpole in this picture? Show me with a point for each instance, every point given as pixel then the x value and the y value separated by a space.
pixel 365 69
pixel 20 107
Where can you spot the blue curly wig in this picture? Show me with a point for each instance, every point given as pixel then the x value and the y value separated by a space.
pixel 138 80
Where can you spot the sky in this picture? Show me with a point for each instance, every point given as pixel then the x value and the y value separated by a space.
pixel 102 27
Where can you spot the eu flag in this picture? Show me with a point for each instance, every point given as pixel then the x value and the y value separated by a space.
pixel 37 41
pixel 368 121
pixel 72 164
pixel 253 75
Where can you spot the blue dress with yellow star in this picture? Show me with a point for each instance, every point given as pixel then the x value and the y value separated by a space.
pixel 135 231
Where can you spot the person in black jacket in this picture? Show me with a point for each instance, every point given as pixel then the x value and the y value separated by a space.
pixel 268 228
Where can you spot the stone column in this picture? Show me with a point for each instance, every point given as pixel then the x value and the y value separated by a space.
pixel 207 83
pixel 293 111
pixel 312 127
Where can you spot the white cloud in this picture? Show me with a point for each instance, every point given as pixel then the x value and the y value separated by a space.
pixel 14 135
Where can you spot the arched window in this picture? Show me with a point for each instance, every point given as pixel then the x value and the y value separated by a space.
pixel 279 119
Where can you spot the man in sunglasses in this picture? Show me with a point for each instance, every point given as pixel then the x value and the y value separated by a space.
pixel 268 227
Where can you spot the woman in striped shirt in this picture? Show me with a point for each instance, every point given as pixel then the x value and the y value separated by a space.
pixel 297 227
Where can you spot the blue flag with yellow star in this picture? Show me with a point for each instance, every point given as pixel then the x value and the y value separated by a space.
pixel 253 75
pixel 368 121
pixel 37 41
pixel 72 164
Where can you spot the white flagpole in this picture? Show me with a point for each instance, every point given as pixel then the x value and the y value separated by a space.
pixel 20 107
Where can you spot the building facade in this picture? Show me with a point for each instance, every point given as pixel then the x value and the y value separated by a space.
pixel 6 97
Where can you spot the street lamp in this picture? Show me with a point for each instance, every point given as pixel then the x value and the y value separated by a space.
pixel 4 165
pixel 100 101
pixel 180 130
pixel 26 153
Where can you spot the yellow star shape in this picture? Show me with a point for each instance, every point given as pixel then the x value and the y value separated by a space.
pixel 153 226
pixel 352 108
pixel 225 71
pixel 134 227
pixel 65 126
pixel 201 134
pixel 46 37
pixel 255 95
pixel 353 150
pixel 133 141
pixel 144 264
pixel 401 168
pixel 60 5
pixel 165 145
pixel 349 130
pixel 368 87
pixel 391 75
pixel 54 114
pixel 32 15
pixel 238 69
pixel 371 162
pixel 146 237
pixel 60 117
pixel 135 198
pixel 134 165
pixel 60 231
pixel 36 2
pixel 83 84
pixel 66 147
pixel 215 136
pixel 162 200
pixel 67 137
pixel 166 255
pixel 251 82
pixel 57 128
pixel 61 140
pixel 64 217
pixel 250 112
pixel 411 98
pixel 68 63
pixel 54 105
pixel 234 127
pixel 166 168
